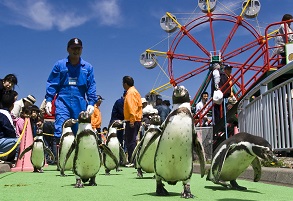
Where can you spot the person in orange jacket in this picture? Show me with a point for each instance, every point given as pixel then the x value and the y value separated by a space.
pixel 132 114
pixel 96 118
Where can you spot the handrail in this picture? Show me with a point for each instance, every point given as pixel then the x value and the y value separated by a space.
pixel 267 80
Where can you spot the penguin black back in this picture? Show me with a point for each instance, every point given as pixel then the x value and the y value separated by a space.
pixel 246 137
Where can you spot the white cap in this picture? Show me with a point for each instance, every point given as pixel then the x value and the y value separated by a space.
pixel 143 100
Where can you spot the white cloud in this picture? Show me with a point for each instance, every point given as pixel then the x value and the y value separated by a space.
pixel 46 15
pixel 107 11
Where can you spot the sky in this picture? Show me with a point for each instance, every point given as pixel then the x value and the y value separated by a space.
pixel 34 35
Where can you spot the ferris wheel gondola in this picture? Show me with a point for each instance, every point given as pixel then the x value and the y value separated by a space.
pixel 251 8
pixel 207 6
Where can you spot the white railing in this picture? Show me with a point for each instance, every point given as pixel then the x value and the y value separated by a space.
pixel 270 114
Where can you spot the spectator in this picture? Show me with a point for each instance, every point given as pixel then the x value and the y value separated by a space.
pixel 163 110
pixel 104 134
pixel 24 102
pixel 96 118
pixel 72 78
pixel 144 102
pixel 219 79
pixel 35 112
pixel 132 114
pixel 8 136
pixel 199 109
pixel 167 103
pixel 282 39
pixel 7 84
pixel 147 113
pixel 48 128
pixel 117 114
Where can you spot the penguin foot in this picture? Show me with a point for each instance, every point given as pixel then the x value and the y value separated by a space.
pixel 38 170
pixel 92 181
pixel 186 192
pixel 161 191
pixel 62 174
pixel 107 172
pixel 139 173
pixel 235 186
pixel 222 183
pixel 118 170
pixel 78 184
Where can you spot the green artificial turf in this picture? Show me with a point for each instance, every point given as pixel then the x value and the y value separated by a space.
pixel 28 186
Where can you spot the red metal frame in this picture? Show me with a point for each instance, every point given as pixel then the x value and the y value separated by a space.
pixel 238 77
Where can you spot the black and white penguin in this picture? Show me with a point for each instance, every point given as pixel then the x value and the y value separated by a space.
pixel 173 159
pixel 145 159
pixel 234 155
pixel 38 149
pixel 114 145
pixel 87 154
pixel 66 141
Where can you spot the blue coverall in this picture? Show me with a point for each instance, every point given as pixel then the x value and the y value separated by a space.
pixel 75 87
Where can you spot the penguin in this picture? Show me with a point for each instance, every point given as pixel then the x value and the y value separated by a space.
pixel 234 155
pixel 114 145
pixel 66 141
pixel 87 153
pixel 145 162
pixel 173 160
pixel 38 149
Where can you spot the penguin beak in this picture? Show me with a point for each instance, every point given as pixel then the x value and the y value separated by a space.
pixel 74 121
pixel 272 157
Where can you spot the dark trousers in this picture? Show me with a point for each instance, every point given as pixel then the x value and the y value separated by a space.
pixel 55 148
pixel 130 137
pixel 217 113
pixel 120 136
pixel 283 55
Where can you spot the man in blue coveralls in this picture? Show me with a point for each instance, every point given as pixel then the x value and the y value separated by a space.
pixel 72 79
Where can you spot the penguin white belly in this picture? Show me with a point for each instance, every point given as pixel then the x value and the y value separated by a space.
pixel 87 161
pixel 113 145
pixel 147 160
pixel 66 144
pixel 235 164
pixel 37 155
pixel 173 158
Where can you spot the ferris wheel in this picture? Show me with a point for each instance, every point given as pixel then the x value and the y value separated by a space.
pixel 213 33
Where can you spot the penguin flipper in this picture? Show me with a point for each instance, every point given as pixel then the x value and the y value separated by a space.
pixel 122 156
pixel 136 151
pixel 108 151
pixel 49 152
pixel 150 142
pixel 72 147
pixel 221 160
pixel 26 150
pixel 256 165
pixel 201 155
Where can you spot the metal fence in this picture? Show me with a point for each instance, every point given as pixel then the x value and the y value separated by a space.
pixel 270 115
